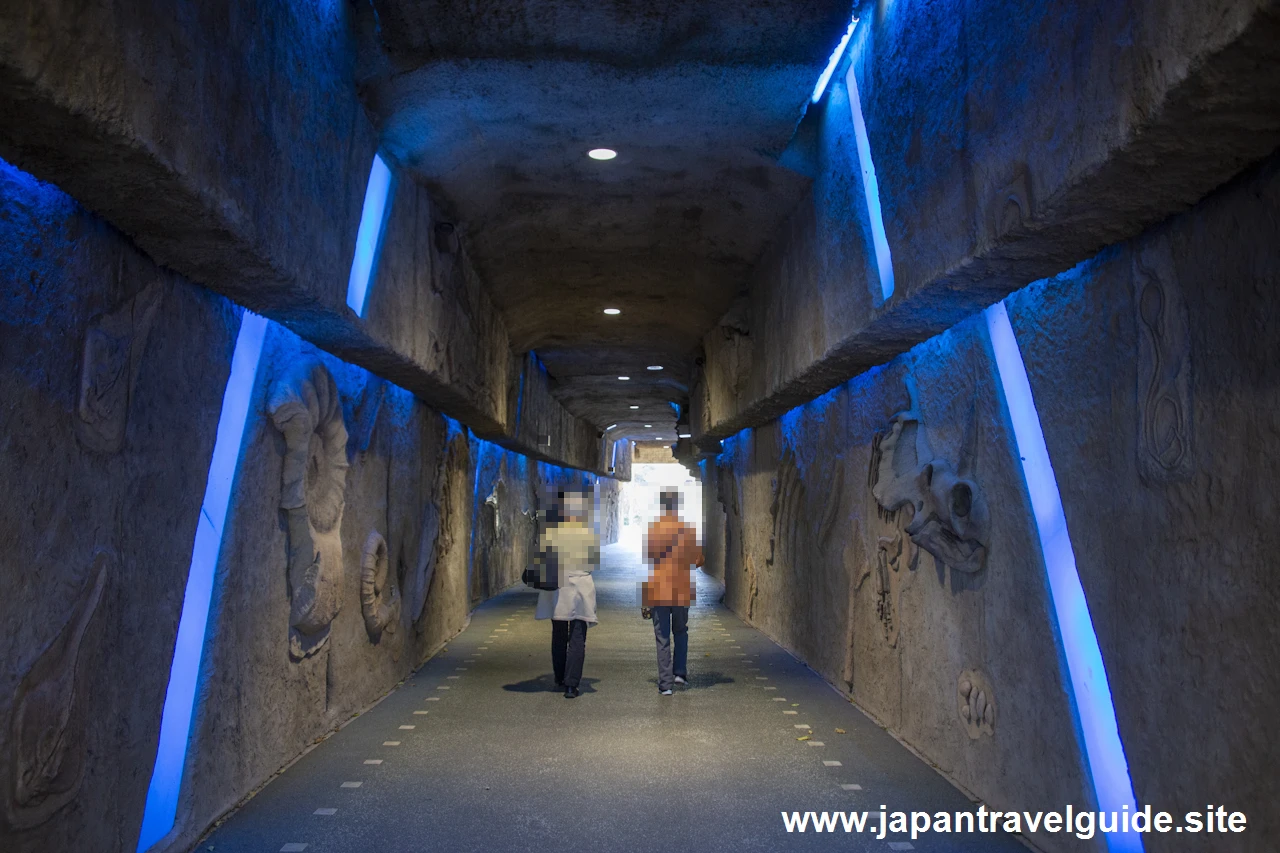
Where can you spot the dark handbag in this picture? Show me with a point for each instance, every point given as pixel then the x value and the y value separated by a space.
pixel 544 574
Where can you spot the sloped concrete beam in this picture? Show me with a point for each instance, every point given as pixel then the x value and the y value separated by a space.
pixel 235 150
pixel 1005 152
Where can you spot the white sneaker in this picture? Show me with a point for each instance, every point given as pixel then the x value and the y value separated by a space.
pixel 665 692
pixel 680 679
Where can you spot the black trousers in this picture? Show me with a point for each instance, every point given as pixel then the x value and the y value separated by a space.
pixel 568 650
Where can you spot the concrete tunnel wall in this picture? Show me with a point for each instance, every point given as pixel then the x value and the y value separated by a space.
pixel 114 369
pixel 1156 381
pixel 1007 151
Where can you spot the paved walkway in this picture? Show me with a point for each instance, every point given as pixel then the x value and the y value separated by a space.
pixel 478 752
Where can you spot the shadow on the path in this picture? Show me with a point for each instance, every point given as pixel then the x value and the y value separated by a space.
pixel 546 683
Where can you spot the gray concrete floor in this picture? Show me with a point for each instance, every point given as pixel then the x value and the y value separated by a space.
pixel 478 752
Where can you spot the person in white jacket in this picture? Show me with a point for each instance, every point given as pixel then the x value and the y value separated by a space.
pixel 571 545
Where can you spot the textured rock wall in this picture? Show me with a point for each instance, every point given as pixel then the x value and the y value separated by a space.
pixel 111 372
pixel 1154 369
pixel 243 129
pixel 1163 360
pixel 609 508
pixel 1011 140
pixel 348 555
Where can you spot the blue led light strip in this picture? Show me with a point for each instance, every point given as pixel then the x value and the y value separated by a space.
pixel 180 698
pixel 836 56
pixel 871 190
pixel 1103 751
pixel 373 225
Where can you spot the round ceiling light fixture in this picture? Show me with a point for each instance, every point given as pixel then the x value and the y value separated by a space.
pixel 602 153
pixel 613 312
pixel 654 367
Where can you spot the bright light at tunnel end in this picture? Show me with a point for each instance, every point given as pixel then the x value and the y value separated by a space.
pixel 1103 751
pixel 836 56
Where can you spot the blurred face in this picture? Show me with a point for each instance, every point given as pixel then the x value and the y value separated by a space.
pixel 575 506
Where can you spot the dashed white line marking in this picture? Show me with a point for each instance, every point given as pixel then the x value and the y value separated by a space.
pixel 420 713
pixel 373 761
pixel 352 784
pixel 293 847
pixel 803 726
pixel 391 743
pixel 851 787
pixel 791 712
pixel 443 687
pixel 325 811
pixel 816 743
pixel 407 728
pixel 779 698
pixel 831 764
pixel 901 845
pixel 453 677
pixel 433 698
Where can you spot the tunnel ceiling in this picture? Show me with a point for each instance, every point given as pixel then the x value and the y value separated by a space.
pixel 494 106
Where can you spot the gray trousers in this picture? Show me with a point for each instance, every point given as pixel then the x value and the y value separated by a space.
pixel 668 621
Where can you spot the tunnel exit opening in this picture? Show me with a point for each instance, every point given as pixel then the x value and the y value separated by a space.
pixel 638 505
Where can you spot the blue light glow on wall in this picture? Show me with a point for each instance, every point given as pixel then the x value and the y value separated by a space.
pixel 836 56
pixel 180 698
pixel 1103 751
pixel 373 225
pixel 871 189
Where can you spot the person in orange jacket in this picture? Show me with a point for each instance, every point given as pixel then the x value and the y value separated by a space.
pixel 671 546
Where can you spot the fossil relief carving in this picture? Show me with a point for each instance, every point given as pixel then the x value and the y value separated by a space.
pixel 305 407
pixel 113 349
pixel 1164 369
pixel 46 732
pixel 949 516
pixel 895 555
pixel 785 508
pixel 976 704
pixel 379 592
pixel 437 540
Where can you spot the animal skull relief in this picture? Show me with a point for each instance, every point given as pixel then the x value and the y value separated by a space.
pixel 949 513
pixel 305 407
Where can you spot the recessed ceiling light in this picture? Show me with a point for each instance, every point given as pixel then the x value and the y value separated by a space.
pixel 602 153
pixel 612 311
pixel 610 426
pixel 635 407
pixel 648 426
pixel 624 378
pixel 686 435
pixel 655 367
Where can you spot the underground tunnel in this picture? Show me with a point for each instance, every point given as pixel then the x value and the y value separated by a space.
pixel 876 404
